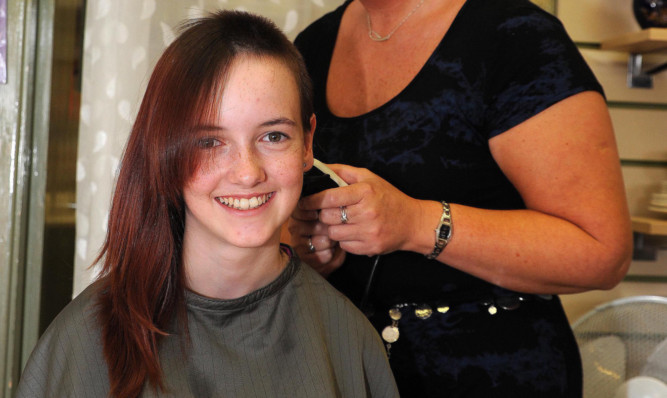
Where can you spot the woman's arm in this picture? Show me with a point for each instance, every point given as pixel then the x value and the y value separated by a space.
pixel 575 234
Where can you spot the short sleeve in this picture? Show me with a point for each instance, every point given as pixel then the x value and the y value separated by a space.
pixel 536 66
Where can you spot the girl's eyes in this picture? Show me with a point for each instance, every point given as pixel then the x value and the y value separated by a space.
pixel 209 142
pixel 274 136
pixel 271 137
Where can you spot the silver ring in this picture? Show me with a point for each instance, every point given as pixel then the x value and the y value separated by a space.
pixel 311 247
pixel 343 215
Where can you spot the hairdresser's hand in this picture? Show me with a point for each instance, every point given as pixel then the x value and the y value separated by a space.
pixel 310 240
pixel 380 218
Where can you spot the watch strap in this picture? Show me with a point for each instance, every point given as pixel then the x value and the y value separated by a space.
pixel 443 233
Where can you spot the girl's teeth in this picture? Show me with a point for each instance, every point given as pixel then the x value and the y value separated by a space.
pixel 244 203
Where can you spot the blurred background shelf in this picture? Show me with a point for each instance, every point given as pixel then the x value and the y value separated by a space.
pixel 649 226
pixel 637 43
pixel 643 41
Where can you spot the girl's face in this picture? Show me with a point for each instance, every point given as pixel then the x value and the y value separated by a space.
pixel 250 176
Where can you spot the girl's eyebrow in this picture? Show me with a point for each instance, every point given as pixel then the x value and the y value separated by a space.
pixel 207 127
pixel 268 123
pixel 277 121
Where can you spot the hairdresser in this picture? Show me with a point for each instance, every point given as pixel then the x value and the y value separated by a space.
pixel 484 181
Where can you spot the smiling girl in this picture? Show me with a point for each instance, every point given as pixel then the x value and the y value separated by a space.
pixel 196 296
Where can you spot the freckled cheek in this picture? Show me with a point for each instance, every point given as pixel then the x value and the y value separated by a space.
pixel 290 173
pixel 294 180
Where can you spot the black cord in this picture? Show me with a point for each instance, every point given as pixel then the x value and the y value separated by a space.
pixel 367 290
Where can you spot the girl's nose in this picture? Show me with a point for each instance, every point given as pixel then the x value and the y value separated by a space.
pixel 247 169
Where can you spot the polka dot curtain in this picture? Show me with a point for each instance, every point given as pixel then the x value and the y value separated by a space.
pixel 123 40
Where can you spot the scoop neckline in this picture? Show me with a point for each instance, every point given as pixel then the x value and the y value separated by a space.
pixel 401 93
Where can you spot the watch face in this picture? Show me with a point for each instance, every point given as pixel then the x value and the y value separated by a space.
pixel 444 231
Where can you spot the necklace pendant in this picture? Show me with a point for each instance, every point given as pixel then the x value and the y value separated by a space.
pixel 375 36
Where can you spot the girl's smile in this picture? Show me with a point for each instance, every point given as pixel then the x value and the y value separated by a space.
pixel 245 203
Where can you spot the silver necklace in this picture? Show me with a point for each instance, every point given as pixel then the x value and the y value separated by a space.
pixel 375 36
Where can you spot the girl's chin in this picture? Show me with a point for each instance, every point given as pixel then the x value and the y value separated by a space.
pixel 255 241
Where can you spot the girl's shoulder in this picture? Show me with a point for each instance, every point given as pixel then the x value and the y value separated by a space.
pixel 68 359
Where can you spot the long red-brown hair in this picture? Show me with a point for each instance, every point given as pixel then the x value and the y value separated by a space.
pixel 142 278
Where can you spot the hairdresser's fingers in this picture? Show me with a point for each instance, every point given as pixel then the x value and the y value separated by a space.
pixel 356 239
pixel 325 261
pixel 380 218
pixel 361 248
pixel 334 197
pixel 305 215
pixel 304 246
pixel 321 242
pixel 342 215
pixel 322 259
pixel 299 229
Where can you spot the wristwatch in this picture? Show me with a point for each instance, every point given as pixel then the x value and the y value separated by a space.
pixel 443 233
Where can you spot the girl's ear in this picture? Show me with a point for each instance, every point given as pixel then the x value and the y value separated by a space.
pixel 308 144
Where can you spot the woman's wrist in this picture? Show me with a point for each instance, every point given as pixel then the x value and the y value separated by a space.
pixel 443 232
pixel 421 237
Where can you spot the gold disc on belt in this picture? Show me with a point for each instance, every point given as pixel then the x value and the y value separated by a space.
pixel 443 309
pixel 390 334
pixel 423 311
pixel 395 314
